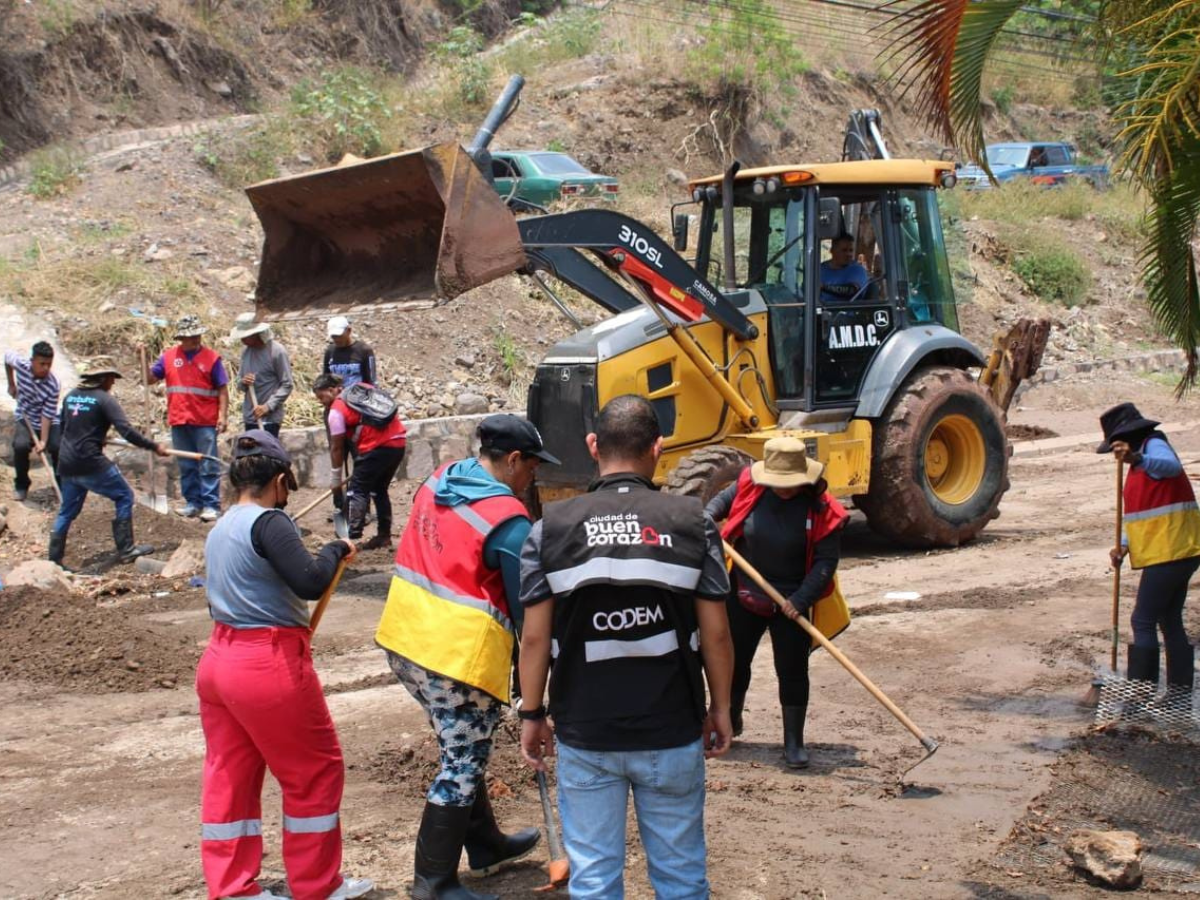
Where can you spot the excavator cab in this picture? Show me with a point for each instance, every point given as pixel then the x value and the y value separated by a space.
pixel 841 264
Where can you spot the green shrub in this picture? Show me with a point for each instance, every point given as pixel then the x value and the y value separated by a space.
pixel 573 34
pixel 342 112
pixel 1055 274
pixel 462 56
pixel 1003 97
pixel 743 45
pixel 244 157
pixel 55 170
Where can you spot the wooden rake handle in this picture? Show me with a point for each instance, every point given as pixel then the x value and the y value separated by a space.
pixel 790 611
pixel 1116 592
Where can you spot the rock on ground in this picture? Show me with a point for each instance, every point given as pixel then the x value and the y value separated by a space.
pixel 187 559
pixel 39 573
pixel 1114 857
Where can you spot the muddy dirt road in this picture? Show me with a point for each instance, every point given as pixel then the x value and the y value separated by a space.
pixel 100 790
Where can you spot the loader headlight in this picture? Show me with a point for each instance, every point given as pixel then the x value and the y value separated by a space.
pixel 949 180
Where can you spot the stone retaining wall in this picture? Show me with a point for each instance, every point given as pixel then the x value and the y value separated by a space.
pixel 430 443
pixel 433 441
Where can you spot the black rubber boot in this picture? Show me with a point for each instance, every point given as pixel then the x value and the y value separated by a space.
pixel 58 548
pixel 794 753
pixel 1142 664
pixel 489 848
pixel 439 848
pixel 737 707
pixel 127 551
pixel 1181 670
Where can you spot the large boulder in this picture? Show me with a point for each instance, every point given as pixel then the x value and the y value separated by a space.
pixel 1113 857
pixel 40 573
pixel 188 559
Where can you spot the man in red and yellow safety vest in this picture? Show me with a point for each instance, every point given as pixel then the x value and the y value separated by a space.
pixel 448 632
pixel 1162 538
pixel 197 409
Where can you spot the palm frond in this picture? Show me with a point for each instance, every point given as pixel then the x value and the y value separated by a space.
pixel 939 50
pixel 1161 113
pixel 1169 267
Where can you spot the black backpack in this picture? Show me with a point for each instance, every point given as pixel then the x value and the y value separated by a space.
pixel 376 406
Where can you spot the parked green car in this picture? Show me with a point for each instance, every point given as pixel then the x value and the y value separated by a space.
pixel 543 177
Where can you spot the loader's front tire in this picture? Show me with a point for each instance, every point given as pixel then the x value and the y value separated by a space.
pixel 704 473
pixel 939 463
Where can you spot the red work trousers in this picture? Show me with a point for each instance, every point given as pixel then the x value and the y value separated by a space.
pixel 261 706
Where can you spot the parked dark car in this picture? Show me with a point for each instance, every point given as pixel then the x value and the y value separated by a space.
pixel 1046 163
pixel 544 176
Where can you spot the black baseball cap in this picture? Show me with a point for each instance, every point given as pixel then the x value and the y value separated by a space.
pixel 506 432
pixel 259 442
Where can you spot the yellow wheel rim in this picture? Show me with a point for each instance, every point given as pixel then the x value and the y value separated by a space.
pixel 955 459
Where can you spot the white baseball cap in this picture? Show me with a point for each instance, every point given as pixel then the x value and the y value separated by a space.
pixel 337 326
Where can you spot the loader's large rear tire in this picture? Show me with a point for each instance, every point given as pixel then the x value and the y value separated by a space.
pixel 940 462
pixel 704 473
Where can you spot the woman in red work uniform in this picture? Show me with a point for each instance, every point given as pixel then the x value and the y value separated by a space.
pixel 261 704
pixel 780 517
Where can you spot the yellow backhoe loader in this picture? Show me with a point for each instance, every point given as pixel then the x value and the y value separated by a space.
pixel 875 378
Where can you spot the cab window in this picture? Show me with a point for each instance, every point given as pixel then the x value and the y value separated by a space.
pixel 926 271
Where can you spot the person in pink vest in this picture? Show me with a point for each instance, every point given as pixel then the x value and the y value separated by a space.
pixel 197 410
pixel 780 517
pixel 1162 538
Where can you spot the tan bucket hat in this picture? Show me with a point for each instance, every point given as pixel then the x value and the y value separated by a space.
pixel 96 368
pixel 785 464
pixel 245 326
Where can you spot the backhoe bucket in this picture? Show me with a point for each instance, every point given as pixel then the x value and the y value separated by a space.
pixel 407 230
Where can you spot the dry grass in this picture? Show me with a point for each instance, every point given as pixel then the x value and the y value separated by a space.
pixel 1118 210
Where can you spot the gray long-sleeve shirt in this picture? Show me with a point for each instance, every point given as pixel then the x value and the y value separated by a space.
pixel 272 380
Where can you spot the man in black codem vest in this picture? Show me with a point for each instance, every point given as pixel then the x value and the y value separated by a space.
pixel 628 586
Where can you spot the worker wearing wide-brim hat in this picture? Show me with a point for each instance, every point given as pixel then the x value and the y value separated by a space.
pixel 197 410
pixel 264 374
pixel 1162 538
pixel 88 413
pixel 780 517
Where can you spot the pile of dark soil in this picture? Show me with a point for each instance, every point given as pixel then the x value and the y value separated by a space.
pixel 58 638
pixel 90 542
pixel 1028 432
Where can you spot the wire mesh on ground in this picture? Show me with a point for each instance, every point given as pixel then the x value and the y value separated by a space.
pixel 1165 711
pixel 1119 778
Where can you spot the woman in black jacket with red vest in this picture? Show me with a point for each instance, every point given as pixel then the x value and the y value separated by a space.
pixel 781 518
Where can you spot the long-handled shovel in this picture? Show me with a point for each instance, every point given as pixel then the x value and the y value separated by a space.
pixel 182 454
pixel 254 404
pixel 45 462
pixel 157 502
pixel 318 612
pixel 321 499
pixel 1092 697
pixel 790 611
pixel 559 868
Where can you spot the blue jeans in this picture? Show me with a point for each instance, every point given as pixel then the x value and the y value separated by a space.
pixel 668 798
pixel 199 481
pixel 110 483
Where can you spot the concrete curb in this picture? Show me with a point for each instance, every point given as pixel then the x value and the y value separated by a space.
pixel 1046 446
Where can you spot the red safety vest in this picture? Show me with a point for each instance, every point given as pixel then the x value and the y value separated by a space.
pixel 446 611
pixel 1162 522
pixel 821 522
pixel 191 397
pixel 367 437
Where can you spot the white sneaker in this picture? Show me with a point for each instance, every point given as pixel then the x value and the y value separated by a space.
pixel 353 887
pixel 187 511
pixel 208 514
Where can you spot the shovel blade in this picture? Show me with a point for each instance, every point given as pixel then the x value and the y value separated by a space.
pixel 406 230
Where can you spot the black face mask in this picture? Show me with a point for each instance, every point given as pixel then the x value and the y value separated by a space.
pixel 280 504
